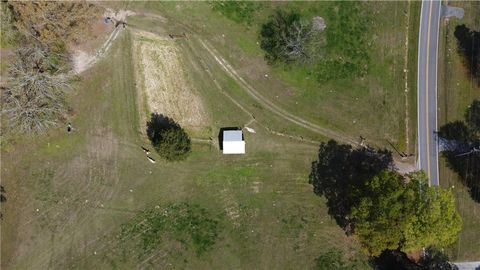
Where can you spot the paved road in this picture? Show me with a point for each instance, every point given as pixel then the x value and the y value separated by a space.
pixel 427 89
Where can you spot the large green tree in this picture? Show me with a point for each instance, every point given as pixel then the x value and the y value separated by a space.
pixel 395 215
pixel 381 215
pixel 169 139
pixel 434 219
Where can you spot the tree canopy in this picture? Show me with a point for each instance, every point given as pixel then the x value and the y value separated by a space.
pixel 52 23
pixel 340 172
pixel 398 216
pixel 382 208
pixel 284 36
pixel 168 138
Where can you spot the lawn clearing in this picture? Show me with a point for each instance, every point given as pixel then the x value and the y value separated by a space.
pixel 87 184
pixel 373 106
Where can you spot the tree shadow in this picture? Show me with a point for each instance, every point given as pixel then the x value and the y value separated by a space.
pixel 220 135
pixel 469 47
pixel 157 124
pixel 339 175
pixel 3 198
pixel 462 157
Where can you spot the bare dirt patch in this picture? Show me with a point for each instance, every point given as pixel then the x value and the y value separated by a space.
pixel 164 83
pixel 103 34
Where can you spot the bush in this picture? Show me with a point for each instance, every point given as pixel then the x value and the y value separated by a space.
pixel 168 138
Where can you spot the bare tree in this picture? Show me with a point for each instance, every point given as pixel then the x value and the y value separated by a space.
pixel 34 98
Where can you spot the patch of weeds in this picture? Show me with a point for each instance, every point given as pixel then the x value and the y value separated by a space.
pixel 231 176
pixel 237 11
pixel 44 190
pixel 189 224
pixel 347 42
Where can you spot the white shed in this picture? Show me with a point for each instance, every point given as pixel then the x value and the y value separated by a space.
pixel 233 142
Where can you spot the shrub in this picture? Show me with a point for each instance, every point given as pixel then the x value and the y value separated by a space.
pixel 168 138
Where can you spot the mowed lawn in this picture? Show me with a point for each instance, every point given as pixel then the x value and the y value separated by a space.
pixel 373 107
pixel 69 194
pixel 457 90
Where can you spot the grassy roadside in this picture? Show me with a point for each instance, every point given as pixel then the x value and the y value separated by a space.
pixel 456 92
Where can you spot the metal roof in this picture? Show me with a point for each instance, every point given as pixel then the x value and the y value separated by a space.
pixel 233 142
pixel 232 135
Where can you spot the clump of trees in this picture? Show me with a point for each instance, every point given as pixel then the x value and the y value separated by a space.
pixel 34 95
pixel 380 207
pixel 463 138
pixel 469 48
pixel 339 52
pixel 168 138
pixel 53 23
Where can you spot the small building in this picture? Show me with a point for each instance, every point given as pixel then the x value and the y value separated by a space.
pixel 233 142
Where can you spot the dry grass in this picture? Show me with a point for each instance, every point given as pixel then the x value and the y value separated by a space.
pixel 164 82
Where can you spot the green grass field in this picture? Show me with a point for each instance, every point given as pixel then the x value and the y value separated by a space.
pixel 260 212
pixel 85 185
pixel 456 93
pixel 373 107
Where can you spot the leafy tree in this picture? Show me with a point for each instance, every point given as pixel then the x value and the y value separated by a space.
pixel 381 215
pixel 168 138
pixel 340 173
pixel 393 215
pixel 434 219
pixel 284 36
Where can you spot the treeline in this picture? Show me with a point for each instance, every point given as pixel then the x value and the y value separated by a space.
pixel 38 73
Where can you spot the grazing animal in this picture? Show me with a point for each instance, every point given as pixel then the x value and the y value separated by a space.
pixel 145 150
pixel 151 159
